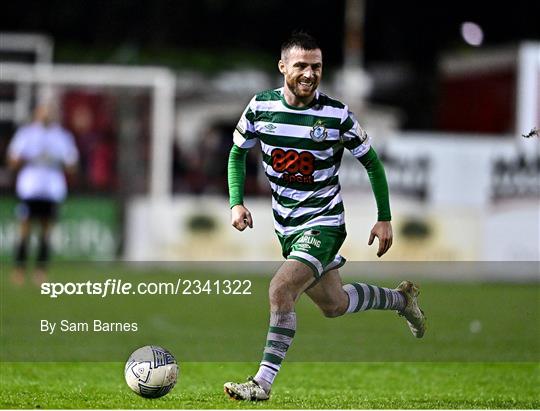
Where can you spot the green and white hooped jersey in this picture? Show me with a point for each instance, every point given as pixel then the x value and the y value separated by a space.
pixel 302 150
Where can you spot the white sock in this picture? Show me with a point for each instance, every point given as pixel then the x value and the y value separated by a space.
pixel 279 338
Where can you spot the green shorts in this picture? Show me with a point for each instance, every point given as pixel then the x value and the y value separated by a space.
pixel 317 247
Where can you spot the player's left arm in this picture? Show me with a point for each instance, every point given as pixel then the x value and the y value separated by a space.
pixel 70 154
pixel 377 177
pixel 359 144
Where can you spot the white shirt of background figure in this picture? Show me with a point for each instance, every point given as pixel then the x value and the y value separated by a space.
pixel 44 150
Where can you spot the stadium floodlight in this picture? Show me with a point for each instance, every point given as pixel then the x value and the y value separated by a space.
pixel 159 80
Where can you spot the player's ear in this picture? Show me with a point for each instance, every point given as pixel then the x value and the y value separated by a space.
pixel 281 66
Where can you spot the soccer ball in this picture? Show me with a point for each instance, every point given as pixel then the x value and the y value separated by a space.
pixel 151 371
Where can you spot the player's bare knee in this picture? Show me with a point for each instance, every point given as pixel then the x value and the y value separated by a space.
pixel 24 230
pixel 333 310
pixel 282 296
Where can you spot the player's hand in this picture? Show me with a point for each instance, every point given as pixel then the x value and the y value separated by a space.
pixel 383 231
pixel 241 217
pixel 15 163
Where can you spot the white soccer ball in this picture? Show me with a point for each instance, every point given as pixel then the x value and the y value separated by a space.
pixel 151 371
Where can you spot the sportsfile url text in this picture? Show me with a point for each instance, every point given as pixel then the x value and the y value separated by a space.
pixel 115 287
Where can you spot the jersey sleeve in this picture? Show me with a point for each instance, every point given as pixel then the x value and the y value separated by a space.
pixel 70 154
pixel 16 146
pixel 244 135
pixel 353 136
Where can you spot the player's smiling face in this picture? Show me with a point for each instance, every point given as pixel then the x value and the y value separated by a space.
pixel 302 70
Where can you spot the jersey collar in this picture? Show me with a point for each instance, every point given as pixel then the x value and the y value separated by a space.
pixel 284 102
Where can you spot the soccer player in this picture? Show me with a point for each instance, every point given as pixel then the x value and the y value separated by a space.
pixel 40 153
pixel 303 134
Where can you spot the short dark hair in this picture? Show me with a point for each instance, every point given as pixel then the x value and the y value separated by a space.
pixel 300 39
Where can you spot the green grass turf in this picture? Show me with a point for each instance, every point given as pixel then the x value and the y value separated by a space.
pixel 480 322
pixel 482 348
pixel 299 386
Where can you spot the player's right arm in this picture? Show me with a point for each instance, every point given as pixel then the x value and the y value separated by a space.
pixel 15 163
pixel 236 170
pixel 244 137
pixel 15 151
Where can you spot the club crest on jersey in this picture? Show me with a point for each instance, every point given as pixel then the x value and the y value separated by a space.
pixel 318 133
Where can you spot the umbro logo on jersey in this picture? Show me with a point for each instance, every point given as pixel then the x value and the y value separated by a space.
pixel 270 127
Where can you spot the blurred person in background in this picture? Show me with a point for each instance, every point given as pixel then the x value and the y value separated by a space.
pixel 96 148
pixel 303 134
pixel 41 153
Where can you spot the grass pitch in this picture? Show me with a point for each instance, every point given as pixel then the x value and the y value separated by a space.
pixel 299 386
pixel 482 348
